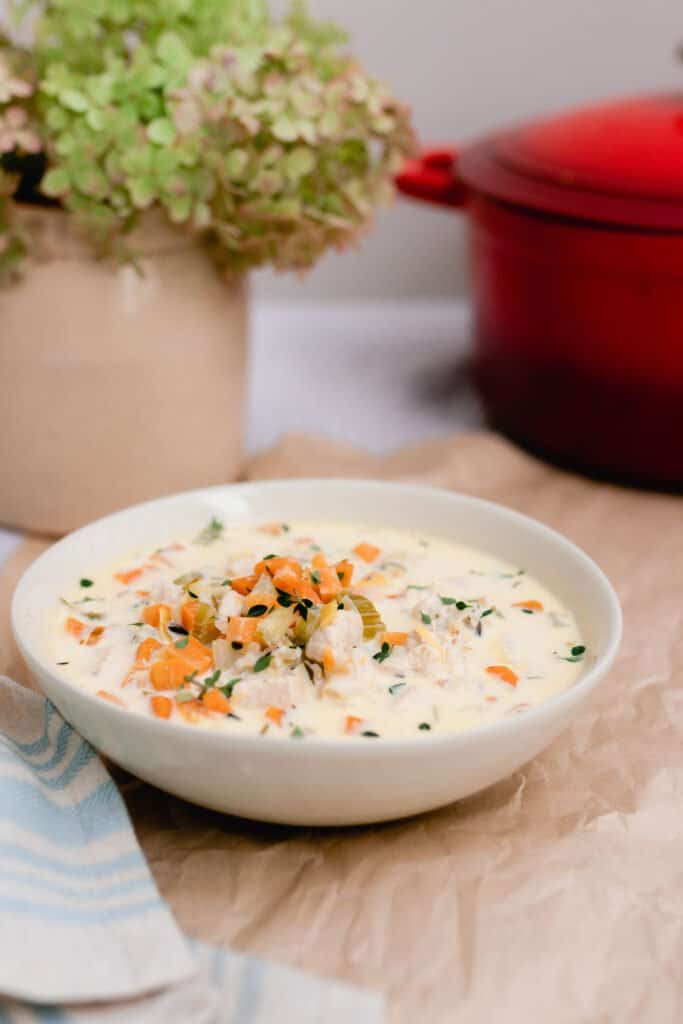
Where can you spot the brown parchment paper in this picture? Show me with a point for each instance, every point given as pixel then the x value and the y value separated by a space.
pixel 555 896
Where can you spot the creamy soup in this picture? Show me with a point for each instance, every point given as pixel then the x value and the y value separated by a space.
pixel 317 629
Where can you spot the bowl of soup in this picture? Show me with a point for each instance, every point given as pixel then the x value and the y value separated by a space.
pixel 317 652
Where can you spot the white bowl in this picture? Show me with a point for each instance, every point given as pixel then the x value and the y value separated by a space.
pixel 319 782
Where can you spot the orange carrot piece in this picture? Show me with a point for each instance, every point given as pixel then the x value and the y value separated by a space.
pixel 305 591
pixel 142 593
pixel 252 600
pixel 94 636
pixel 161 706
pixel 274 565
pixel 275 714
pixel 394 639
pixel 329 661
pixel 275 529
pixel 344 571
pixel 74 627
pixel 168 673
pixel 128 577
pixel 152 614
pixel 111 698
pixel 195 655
pixel 287 579
pixel 351 722
pixel 504 673
pixel 241 630
pixel 146 649
pixel 530 606
pixel 244 584
pixel 214 700
pixel 319 561
pixel 188 613
pixel 329 585
pixel 368 552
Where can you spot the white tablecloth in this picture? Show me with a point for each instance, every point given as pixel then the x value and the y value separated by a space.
pixel 377 375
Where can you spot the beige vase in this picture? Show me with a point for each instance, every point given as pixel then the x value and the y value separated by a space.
pixel 115 386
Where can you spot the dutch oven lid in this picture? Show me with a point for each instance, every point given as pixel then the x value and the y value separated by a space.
pixel 619 162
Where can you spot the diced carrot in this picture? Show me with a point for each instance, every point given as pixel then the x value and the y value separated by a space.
pixel 168 673
pixel 196 655
pixel 146 649
pixel 214 700
pixel 286 579
pixel 128 577
pixel 188 613
pixel 275 714
pixel 273 565
pixel 74 627
pixel 394 639
pixel 111 698
pixel 252 600
pixel 329 661
pixel 504 673
pixel 319 561
pixel 368 552
pixel 530 606
pixel 305 591
pixel 241 630
pixel 191 710
pixel 244 584
pixel 161 706
pixel 329 585
pixel 94 636
pixel 351 722
pixel 142 593
pixel 344 572
pixel 153 614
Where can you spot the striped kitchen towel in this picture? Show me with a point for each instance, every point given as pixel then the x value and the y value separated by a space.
pixel 84 933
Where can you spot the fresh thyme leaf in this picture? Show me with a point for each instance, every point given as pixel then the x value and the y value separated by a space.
pixel 297 733
pixel 302 610
pixel 86 582
pixel 236 717
pixel 266 558
pixel 213 679
pixel 263 662
pixel 369 732
pixel 229 686
pixel 191 593
pixel 383 653
pixel 396 688
pixel 579 649
pixel 424 726
pixel 211 532
pixel 226 583
pixel 175 627
pixel 191 678
pixel 62 662
pixel 257 610
pixel 136 623
pixel 284 600
pixel 427 619
pixel 315 576
pixel 182 643
pixel 489 611
pixel 285 527
pixel 448 600
pixel 417 586
pixel 528 611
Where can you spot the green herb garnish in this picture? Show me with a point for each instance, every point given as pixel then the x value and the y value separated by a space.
pixel 297 733
pixel 396 688
pixel 86 582
pixel 229 686
pixel 191 678
pixel 211 532
pixel 315 576
pixel 369 732
pixel 427 619
pixel 285 527
pixel 284 600
pixel 417 586
pixel 489 611
pixel 383 653
pixel 62 662
pixel 263 662
pixel 579 649
pixel 528 611
pixel 257 610
pixel 182 643
pixel 424 726
pixel 213 679
pixel 460 605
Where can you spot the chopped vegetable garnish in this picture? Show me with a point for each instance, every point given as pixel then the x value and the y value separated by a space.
pixel 262 663
pixel 211 532
pixel 85 582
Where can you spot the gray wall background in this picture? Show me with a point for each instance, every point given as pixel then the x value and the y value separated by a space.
pixel 466 67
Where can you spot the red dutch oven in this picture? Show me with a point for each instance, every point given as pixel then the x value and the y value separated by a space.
pixel 576 245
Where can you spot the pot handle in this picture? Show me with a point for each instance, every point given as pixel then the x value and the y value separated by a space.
pixel 433 177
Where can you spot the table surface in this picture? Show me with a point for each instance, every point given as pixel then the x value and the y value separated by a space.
pixel 376 375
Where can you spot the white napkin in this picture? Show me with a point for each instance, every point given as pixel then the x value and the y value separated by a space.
pixel 85 934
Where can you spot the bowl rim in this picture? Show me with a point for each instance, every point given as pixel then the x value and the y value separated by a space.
pixel 425 741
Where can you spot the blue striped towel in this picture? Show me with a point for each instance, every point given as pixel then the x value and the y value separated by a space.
pixel 85 935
